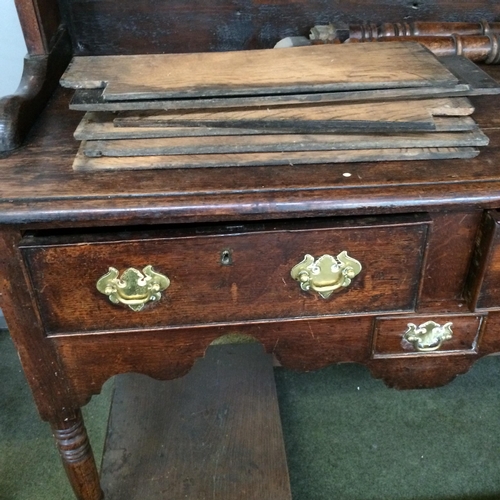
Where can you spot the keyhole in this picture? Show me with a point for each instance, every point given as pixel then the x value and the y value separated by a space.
pixel 226 258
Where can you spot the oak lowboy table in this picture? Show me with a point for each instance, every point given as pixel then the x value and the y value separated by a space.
pixel 415 295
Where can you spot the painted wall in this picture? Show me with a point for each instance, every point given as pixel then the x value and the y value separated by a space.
pixel 12 48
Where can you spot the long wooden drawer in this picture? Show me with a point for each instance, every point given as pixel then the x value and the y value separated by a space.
pixel 226 274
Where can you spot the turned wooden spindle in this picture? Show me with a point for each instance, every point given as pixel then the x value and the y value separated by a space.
pixel 369 31
pixel 77 457
pixel 485 49
pixel 479 42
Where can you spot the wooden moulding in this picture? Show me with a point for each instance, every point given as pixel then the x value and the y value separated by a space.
pixel 19 111
pixel 216 433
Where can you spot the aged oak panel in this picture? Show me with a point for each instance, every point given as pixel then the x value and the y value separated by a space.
pixel 301 70
pixel 483 280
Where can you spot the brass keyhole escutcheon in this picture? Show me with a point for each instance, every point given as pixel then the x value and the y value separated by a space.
pixel 133 288
pixel 327 274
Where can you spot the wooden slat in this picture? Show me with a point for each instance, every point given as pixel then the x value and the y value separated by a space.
pixel 281 142
pixel 394 115
pixel 92 99
pixel 302 69
pixel 449 106
pixel 85 163
pixel 474 81
pixel 215 433
pixel 95 126
pixel 372 116
pixel 455 124
pixel 471 74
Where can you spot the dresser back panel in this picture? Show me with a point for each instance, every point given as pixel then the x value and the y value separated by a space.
pixel 137 27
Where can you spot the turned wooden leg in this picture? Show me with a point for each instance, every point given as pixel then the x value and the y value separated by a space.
pixel 78 459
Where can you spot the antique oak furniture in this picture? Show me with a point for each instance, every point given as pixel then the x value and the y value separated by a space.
pixel 414 293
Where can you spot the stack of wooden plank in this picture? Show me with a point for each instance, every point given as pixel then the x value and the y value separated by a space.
pixel 317 104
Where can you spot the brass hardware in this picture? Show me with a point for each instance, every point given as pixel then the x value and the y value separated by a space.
pixel 133 288
pixel 428 336
pixel 327 274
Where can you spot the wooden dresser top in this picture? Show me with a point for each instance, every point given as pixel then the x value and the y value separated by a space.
pixel 37 183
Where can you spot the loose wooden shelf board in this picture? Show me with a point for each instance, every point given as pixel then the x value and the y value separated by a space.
pixel 280 143
pixel 85 163
pixel 100 126
pixel 215 433
pixel 238 73
pixel 319 104
pixel 393 116
pixel 92 99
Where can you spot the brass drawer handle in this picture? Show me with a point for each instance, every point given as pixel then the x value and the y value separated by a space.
pixel 327 274
pixel 428 336
pixel 133 288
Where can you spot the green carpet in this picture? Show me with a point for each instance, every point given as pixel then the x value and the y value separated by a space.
pixel 30 468
pixel 347 436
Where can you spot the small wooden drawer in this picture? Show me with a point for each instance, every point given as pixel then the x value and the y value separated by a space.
pixel 482 289
pixel 390 335
pixel 226 274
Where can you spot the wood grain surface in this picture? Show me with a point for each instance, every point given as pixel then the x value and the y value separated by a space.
pixel 372 116
pixel 121 28
pixel 371 31
pixel 388 111
pixel 280 143
pixel 452 124
pixel 85 163
pixel 302 69
pixel 37 182
pixel 95 126
pixel 474 81
pixel 483 280
pixel 255 285
pixel 92 99
pixel 216 433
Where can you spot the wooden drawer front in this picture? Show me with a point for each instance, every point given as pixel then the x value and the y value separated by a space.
pixel 227 277
pixel 482 288
pixel 389 341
